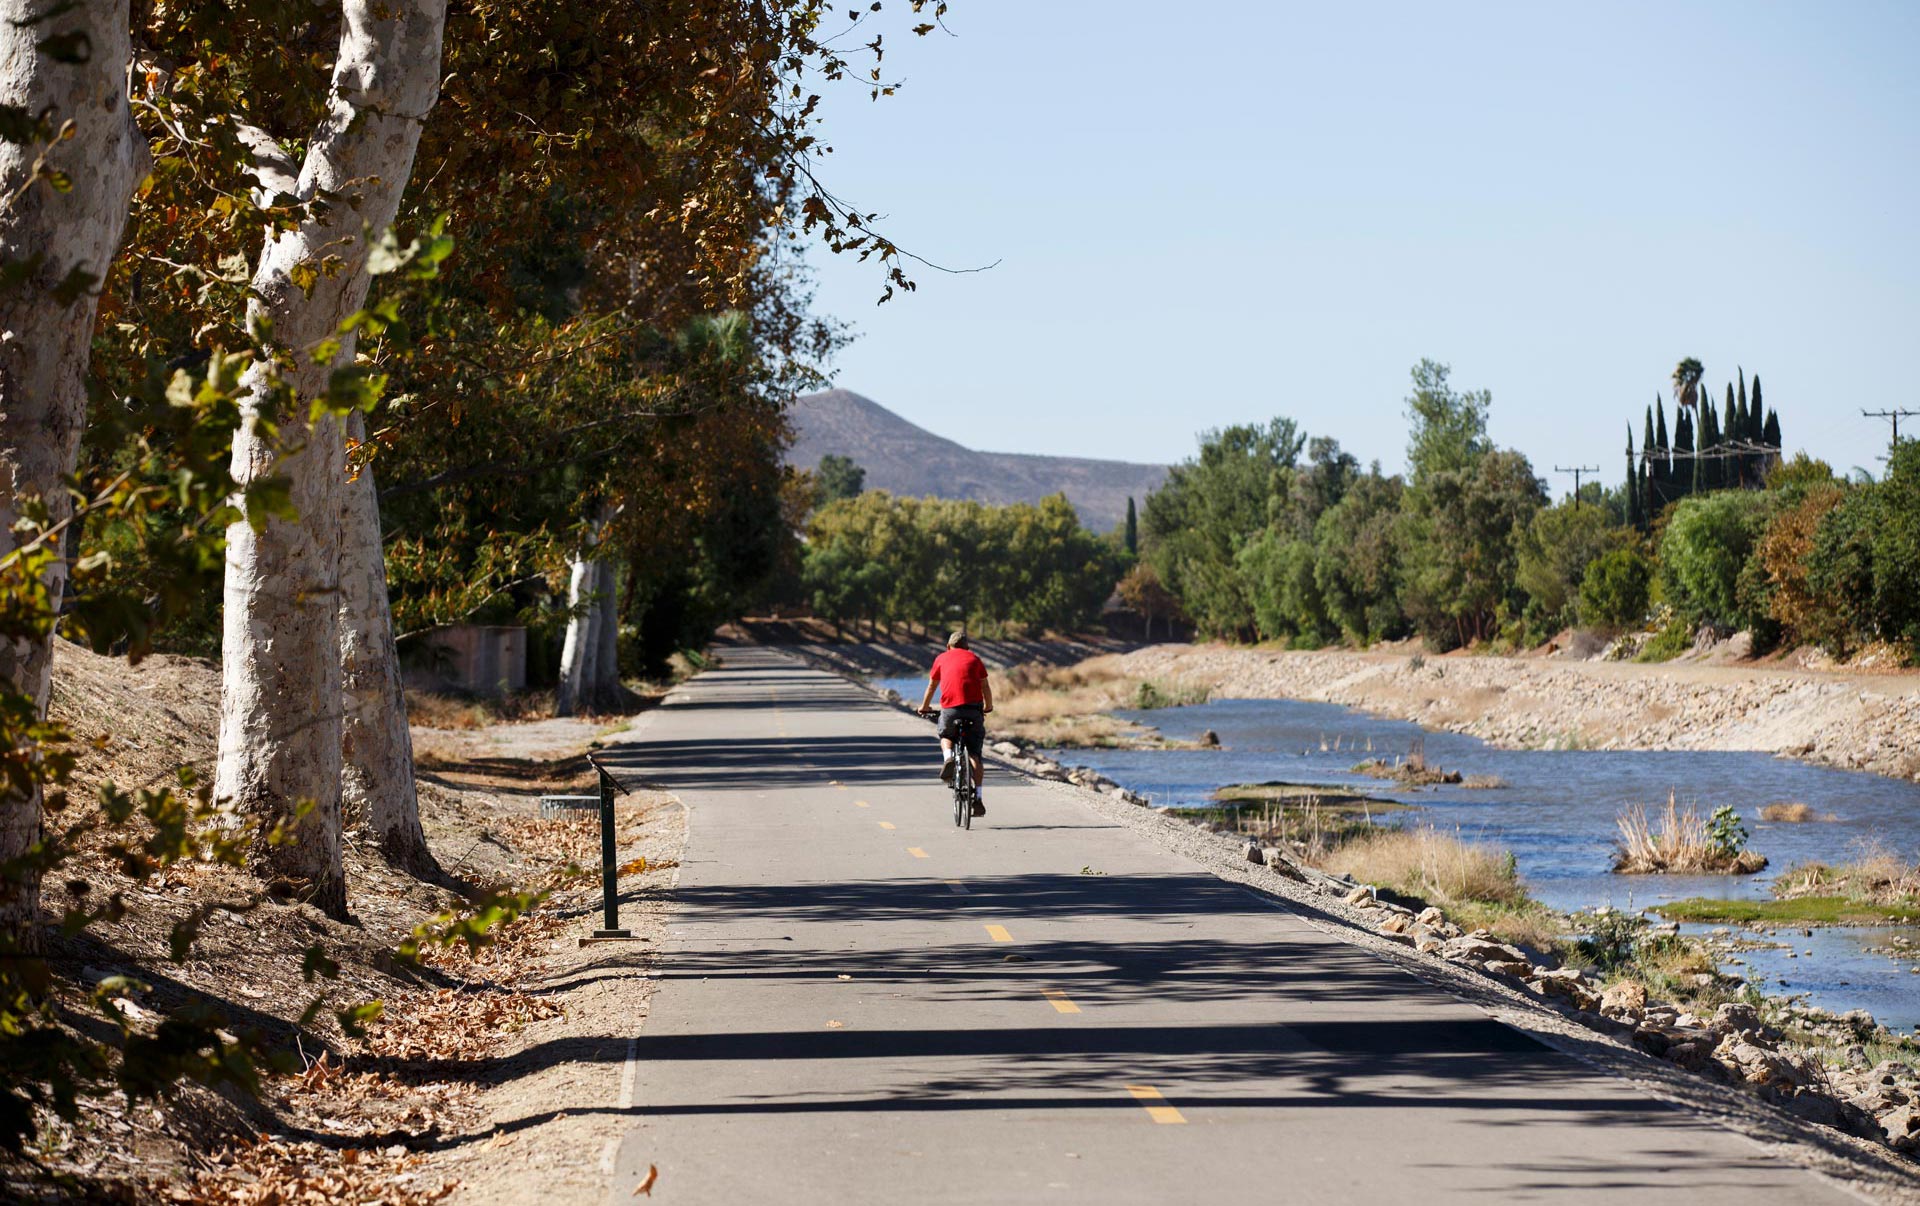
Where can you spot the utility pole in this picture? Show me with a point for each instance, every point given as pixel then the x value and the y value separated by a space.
pixel 1895 415
pixel 1576 470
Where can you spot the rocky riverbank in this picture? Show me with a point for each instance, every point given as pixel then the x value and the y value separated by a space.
pixel 1866 721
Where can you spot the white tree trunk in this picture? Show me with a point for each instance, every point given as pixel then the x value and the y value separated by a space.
pixel 581 649
pixel 376 749
pixel 45 341
pixel 280 704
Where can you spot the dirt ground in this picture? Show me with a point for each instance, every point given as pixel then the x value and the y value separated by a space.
pixel 491 1077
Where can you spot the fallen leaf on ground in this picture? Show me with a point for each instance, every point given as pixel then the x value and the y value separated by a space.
pixel 646 1183
pixel 835 1025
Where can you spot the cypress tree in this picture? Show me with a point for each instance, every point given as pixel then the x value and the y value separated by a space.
pixel 1770 435
pixel 1712 467
pixel 1646 457
pixel 1133 529
pixel 1635 520
pixel 1686 466
pixel 1737 434
pixel 1662 455
pixel 1647 509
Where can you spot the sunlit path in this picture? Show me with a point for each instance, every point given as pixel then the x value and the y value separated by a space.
pixel 861 1003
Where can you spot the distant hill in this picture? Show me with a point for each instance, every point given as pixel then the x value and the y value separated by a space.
pixel 905 459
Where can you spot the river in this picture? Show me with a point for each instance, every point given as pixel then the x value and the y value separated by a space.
pixel 1557 813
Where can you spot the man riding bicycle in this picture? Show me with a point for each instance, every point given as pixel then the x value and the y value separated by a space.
pixel 965 697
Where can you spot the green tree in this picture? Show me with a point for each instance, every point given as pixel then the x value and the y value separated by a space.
pixel 1558 546
pixel 1613 593
pixel 1447 429
pixel 1133 529
pixel 1287 601
pixel 839 478
pixel 1636 516
pixel 1459 548
pixel 1357 566
pixel 1208 509
pixel 1707 544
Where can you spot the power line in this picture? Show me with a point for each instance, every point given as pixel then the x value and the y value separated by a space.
pixel 1576 470
pixel 1895 415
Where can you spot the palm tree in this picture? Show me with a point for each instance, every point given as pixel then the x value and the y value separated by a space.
pixel 1686 383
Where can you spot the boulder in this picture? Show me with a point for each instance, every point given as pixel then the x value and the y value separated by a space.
pixel 1737 1017
pixel 1006 749
pixel 1429 945
pixel 1431 917
pixel 1362 895
pixel 1397 923
pixel 1518 969
pixel 1210 739
pixel 1471 949
pixel 1277 862
pixel 1624 1001
pixel 1402 939
pixel 1255 854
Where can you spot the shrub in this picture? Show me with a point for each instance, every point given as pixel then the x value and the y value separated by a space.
pixel 1782 557
pixel 1613 594
pixel 1684 843
pixel 1706 545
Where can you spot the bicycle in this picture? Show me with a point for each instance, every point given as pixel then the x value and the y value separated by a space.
pixel 963 784
pixel 962 776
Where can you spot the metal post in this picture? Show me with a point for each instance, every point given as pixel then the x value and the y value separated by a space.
pixel 609 876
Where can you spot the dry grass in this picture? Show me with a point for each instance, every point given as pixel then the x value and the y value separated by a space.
pixel 1681 845
pixel 1070 705
pixel 1794 813
pixel 1878 876
pixel 1437 867
pixel 432 710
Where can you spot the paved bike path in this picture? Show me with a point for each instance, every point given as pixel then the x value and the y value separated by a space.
pixel 860 1003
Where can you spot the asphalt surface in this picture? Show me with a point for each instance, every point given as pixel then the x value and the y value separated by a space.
pixel 859 1002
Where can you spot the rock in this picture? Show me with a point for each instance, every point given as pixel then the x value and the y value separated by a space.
pixel 1470 949
pixel 1693 1056
pixel 1429 945
pixel 1005 748
pixel 1624 999
pixel 1280 864
pixel 1736 1017
pixel 1519 969
pixel 1902 1128
pixel 1210 739
pixel 1397 923
pixel 1431 917
pixel 1762 1068
pixel 1255 854
pixel 1402 939
pixel 1655 1041
pixel 1601 1023
pixel 1362 895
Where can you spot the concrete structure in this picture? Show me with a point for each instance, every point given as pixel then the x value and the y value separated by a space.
pixel 478 659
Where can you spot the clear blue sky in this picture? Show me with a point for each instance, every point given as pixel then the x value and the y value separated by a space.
pixel 1209 214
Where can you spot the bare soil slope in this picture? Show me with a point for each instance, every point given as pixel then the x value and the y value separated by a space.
pixel 1860 720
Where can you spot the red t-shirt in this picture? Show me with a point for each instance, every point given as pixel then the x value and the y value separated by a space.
pixel 959 675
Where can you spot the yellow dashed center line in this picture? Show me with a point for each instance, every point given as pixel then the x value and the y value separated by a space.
pixel 916 852
pixel 957 888
pixel 999 933
pixel 1150 1098
pixel 886 824
pixel 1061 1002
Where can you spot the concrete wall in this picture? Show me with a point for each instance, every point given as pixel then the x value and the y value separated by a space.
pixel 476 659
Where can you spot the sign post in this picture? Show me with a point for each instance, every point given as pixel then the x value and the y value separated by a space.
pixel 609 875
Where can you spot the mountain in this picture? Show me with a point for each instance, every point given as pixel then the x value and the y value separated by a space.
pixel 905 459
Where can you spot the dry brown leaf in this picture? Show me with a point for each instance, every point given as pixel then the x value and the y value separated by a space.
pixel 646 1182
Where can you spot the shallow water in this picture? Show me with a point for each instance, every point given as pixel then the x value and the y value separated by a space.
pixel 1557 813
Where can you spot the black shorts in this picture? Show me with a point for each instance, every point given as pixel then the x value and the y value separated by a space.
pixel 976 718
